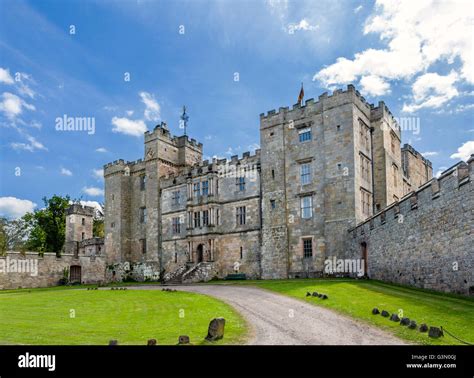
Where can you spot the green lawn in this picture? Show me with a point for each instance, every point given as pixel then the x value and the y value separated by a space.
pixel 357 298
pixel 42 317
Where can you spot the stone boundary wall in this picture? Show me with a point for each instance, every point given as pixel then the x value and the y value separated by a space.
pixel 17 270
pixel 427 238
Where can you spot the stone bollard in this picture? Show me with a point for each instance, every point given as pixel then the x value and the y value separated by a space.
pixel 151 342
pixel 308 294
pixel 113 342
pixel 405 321
pixel 394 318
pixel 423 327
pixel 216 329
pixel 182 340
pixel 375 311
pixel 385 314
pixel 435 332
pixel 412 324
pixel 324 296
pixel 315 294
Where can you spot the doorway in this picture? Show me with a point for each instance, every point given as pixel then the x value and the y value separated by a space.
pixel 75 274
pixel 200 253
pixel 364 256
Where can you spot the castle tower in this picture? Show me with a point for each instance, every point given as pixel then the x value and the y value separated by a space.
pixel 132 195
pixel 79 226
pixel 316 181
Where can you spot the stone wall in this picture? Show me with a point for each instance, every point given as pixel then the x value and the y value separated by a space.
pixel 50 269
pixel 426 239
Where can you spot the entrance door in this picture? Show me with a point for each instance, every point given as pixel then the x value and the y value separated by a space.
pixel 363 248
pixel 75 274
pixel 200 253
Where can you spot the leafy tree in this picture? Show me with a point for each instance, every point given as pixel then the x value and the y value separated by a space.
pixel 48 225
pixel 98 227
pixel 13 234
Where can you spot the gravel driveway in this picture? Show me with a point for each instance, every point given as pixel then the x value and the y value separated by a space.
pixel 275 319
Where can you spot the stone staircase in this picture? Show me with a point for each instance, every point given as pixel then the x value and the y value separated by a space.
pixel 191 273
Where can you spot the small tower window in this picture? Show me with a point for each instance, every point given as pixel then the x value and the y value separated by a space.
pixel 241 253
pixel 83 235
pixel 83 221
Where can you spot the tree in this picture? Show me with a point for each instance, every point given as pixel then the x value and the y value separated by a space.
pixel 48 226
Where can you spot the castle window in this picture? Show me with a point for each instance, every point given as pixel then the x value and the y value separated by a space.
pixel 112 225
pixel 176 257
pixel 197 219
pixel 217 217
pixel 176 197
pixel 365 199
pixel 83 236
pixel 364 135
pixel 205 218
pixel 143 245
pixel 142 182
pixel 241 253
pixel 305 134
pixel 176 225
pixel 364 167
pixel 306 204
pixel 305 173
pixel 142 214
pixel 241 183
pixel 307 248
pixel 197 189
pixel 205 188
pixel 338 127
pixel 272 204
pixel 393 143
pixel 240 215
pixel 273 174
pixel 395 175
pixel 83 221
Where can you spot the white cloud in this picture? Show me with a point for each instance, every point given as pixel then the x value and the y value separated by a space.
pixel 32 146
pixel 93 191
pixel 429 153
pixel 101 149
pixel 465 151
pixel 432 91
pixel 152 108
pixel 66 172
pixel 128 126
pixel 417 35
pixel 12 207
pixel 5 76
pixel 253 146
pixel 302 25
pixel 374 85
pixel 12 105
pixel 129 112
pixel 98 174
pixel 358 9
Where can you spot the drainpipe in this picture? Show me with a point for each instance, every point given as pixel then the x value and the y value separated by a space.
pixel 372 167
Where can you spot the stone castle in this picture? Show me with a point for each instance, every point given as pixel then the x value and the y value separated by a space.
pixel 326 170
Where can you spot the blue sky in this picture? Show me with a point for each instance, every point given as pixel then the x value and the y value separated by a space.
pixel 73 58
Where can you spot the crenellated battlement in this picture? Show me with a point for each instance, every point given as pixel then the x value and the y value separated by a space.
pixel 437 189
pixel 325 99
pixel 207 167
pixel 163 133
pixel 408 147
